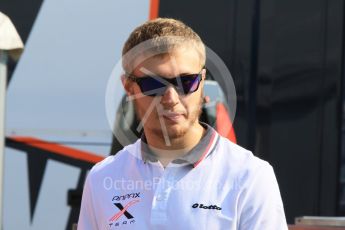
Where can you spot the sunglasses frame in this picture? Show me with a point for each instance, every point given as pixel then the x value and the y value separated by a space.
pixel 166 81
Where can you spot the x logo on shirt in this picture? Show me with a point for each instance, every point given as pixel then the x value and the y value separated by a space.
pixel 123 210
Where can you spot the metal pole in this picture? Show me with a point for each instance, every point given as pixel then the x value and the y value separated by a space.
pixel 3 84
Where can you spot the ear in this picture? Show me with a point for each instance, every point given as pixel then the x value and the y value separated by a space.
pixel 203 73
pixel 127 85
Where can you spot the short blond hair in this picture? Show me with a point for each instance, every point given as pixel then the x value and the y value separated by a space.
pixel 163 35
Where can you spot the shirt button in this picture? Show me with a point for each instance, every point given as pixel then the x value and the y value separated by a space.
pixel 160 197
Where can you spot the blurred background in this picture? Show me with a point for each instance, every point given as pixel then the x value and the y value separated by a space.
pixel 286 59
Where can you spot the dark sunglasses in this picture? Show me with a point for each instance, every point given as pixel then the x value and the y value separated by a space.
pixel 156 86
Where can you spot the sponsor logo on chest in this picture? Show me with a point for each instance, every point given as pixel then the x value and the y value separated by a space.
pixel 123 203
pixel 126 196
pixel 196 205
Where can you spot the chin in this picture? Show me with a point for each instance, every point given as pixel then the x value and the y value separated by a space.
pixel 174 131
pixel 177 132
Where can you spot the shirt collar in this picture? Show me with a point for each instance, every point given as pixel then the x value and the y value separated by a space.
pixel 194 156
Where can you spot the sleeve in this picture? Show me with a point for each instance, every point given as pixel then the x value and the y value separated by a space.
pixel 87 218
pixel 260 203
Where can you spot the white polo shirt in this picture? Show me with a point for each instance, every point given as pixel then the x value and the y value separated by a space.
pixel 218 185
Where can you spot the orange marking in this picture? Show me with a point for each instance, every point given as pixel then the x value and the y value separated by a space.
pixel 224 124
pixel 154 8
pixel 59 149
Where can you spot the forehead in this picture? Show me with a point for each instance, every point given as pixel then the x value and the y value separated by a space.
pixel 178 61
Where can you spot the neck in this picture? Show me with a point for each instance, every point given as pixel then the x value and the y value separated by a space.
pixel 178 147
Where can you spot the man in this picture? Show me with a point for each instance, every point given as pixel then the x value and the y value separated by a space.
pixel 180 174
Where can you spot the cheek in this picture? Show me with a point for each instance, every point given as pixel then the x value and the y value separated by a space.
pixel 193 103
pixel 145 108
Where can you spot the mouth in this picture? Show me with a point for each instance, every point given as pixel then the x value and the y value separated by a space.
pixel 173 116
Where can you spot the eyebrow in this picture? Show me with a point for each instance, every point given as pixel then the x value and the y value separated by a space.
pixel 148 72
pixel 161 76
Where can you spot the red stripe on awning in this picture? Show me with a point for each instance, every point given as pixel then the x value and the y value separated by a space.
pixel 59 149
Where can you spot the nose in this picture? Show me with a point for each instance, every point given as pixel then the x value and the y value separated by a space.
pixel 170 97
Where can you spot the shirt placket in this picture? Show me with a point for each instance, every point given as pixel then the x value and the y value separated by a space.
pixel 161 198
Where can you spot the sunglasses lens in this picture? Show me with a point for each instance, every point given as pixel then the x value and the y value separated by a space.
pixel 152 87
pixel 190 84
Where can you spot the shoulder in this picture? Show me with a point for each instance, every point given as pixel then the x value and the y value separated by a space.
pixel 240 163
pixel 116 163
pixel 259 202
pixel 238 156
